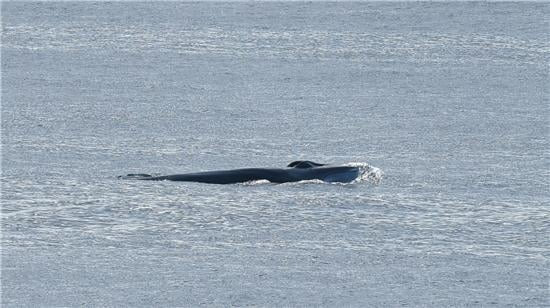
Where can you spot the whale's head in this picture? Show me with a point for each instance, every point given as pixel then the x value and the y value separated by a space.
pixel 340 174
pixel 304 164
pixel 324 172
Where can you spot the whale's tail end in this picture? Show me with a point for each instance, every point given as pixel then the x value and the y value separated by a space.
pixel 135 176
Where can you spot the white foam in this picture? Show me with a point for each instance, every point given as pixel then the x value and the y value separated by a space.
pixel 367 173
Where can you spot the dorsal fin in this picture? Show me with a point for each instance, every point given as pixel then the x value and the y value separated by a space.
pixel 302 164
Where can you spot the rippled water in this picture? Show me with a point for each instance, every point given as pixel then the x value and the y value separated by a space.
pixel 448 101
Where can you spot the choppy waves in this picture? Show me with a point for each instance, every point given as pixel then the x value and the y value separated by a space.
pixel 412 46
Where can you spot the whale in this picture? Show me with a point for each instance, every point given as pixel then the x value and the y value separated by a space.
pixel 301 170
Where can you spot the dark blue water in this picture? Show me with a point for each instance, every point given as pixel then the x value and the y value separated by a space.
pixel 450 102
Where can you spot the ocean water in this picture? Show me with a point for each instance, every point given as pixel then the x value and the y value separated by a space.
pixel 448 102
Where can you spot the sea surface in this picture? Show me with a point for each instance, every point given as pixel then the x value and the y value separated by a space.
pixel 446 103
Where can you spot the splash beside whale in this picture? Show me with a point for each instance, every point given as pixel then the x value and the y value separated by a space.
pixel 296 171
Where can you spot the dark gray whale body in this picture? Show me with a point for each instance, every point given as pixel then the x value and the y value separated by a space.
pixel 296 171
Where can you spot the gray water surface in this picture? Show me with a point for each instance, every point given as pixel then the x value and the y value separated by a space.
pixel 449 101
